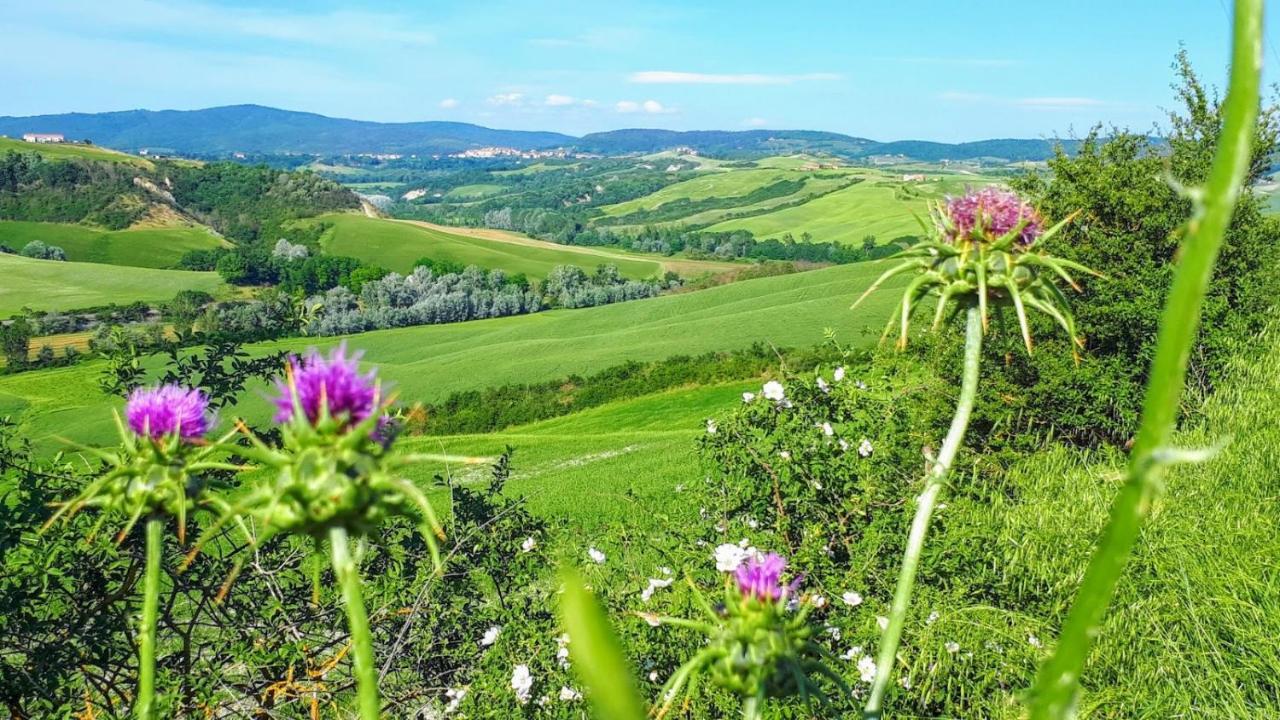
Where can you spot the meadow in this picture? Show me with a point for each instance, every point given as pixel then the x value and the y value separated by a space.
pixel 396 245
pixel 71 151
pixel 429 362
pixel 53 285
pixel 138 246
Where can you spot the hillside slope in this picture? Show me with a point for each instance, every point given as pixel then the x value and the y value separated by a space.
pixel 52 285
pixel 429 362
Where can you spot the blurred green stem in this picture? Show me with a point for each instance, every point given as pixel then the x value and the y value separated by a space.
pixel 1054 695
pixel 934 481
pixel 344 567
pixel 147 629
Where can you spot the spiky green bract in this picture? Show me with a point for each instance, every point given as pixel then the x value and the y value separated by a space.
pixel 757 649
pixel 330 475
pixel 154 478
pixel 986 270
pixel 143 478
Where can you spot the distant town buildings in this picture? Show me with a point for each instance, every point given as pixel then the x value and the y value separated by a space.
pixel 43 137
pixel 913 177
pixel 497 152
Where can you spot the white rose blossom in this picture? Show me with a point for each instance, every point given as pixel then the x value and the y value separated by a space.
pixel 852 599
pixel 522 683
pixel 596 556
pixel 491 636
pixel 773 391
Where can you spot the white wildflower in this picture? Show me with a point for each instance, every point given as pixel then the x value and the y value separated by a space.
pixel 711 427
pixel 823 386
pixel 665 570
pixel 455 696
pixel 748 397
pixel 864 448
pixel 491 636
pixel 529 544
pixel 952 647
pixel 834 632
pixel 853 653
pixel 827 429
pixel 773 391
pixel 852 599
pixel 844 444
pixel 568 694
pixel 905 682
pixel 729 556
pixel 654 584
pixel 882 621
pixel 596 556
pixel 785 454
pixel 860 385
pixel 653 676
pixel 753 523
pixel 933 618
pixel 1034 642
pixel 867 669
pixel 522 683
pixel 818 601
pixel 838 374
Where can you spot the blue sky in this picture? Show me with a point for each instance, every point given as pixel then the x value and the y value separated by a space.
pixel 923 70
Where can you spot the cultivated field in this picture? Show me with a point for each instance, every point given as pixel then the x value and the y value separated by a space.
pixel 52 285
pixel 140 246
pixel 396 245
pixel 429 362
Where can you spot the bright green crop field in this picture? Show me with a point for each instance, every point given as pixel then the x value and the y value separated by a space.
pixel 152 247
pixel 882 207
pixel 397 245
pixel 429 362
pixel 52 285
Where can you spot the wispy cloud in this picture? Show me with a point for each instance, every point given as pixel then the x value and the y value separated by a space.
pixel 449 103
pixel 332 28
pixel 506 99
pixel 961 61
pixel 554 100
pixel 605 38
pixel 653 107
pixel 671 77
pixel 755 122
pixel 1059 103
pixel 1030 103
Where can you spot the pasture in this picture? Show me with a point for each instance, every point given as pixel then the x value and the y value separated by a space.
pixel 139 246
pixel 396 245
pixel 71 151
pixel 51 285
pixel 428 363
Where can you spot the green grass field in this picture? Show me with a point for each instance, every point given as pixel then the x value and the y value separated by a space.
pixel 65 151
pixel 151 247
pixel 51 285
pixel 397 245
pixel 877 206
pixel 710 185
pixel 474 192
pixel 427 363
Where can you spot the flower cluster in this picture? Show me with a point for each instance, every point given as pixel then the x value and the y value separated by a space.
pixel 322 388
pixel 984 251
pixel 167 410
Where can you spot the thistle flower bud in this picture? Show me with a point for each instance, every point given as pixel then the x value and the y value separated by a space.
pixel 168 410
pixel 989 214
pixel 330 387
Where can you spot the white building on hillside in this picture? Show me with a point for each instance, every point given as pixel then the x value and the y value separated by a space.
pixel 43 137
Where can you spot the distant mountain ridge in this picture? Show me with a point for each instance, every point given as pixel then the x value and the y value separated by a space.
pixel 260 129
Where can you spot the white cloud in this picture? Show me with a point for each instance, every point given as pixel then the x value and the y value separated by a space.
pixel 755 122
pixel 449 103
pixel 558 100
pixel 669 77
pixel 511 98
pixel 653 107
pixel 961 61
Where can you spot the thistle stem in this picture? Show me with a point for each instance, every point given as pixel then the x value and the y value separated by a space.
pixel 925 503
pixel 1054 694
pixel 344 567
pixel 751 708
pixel 147 629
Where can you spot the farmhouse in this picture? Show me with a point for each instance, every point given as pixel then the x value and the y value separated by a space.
pixel 43 137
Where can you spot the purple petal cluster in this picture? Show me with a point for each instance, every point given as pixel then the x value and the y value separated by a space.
pixel 167 410
pixel 334 382
pixel 994 212
pixel 760 576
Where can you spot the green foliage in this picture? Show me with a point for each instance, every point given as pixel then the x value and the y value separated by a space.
pixel 597 653
pixel 37 250
pixel 1130 227
pixel 15 341
pixel 71 190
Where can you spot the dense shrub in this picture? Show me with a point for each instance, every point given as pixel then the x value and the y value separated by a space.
pixel 38 250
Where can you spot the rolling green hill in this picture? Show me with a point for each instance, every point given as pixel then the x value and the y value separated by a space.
pixel 429 362
pixel 65 151
pixel 51 285
pixel 396 245
pixel 139 246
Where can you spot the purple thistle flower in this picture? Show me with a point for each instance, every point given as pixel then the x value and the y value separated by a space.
pixel 761 577
pixel 166 410
pixel 994 212
pixel 334 382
